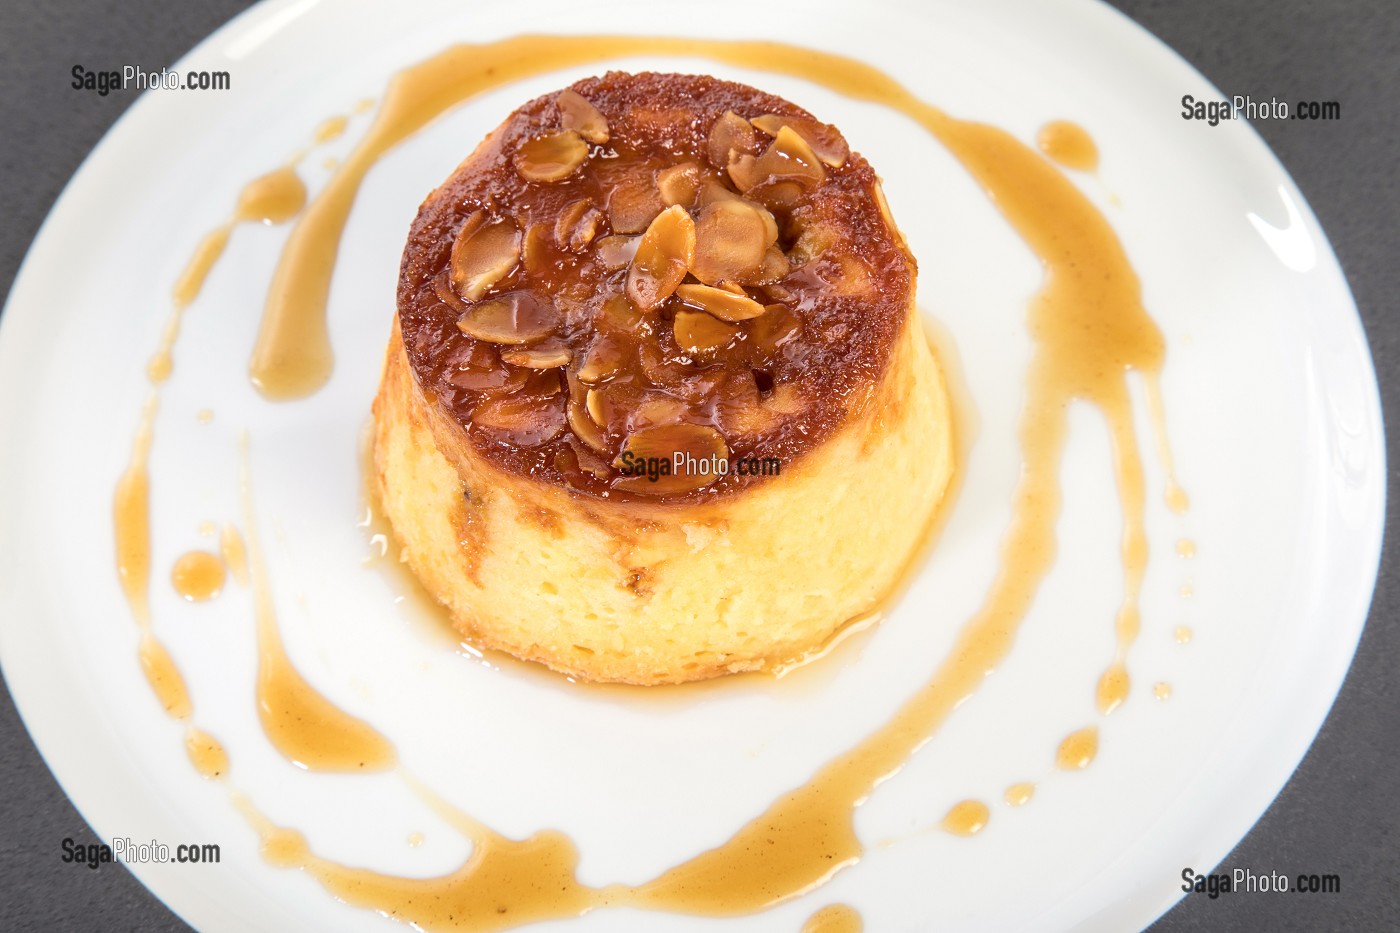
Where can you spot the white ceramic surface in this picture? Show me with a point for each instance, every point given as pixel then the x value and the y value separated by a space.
pixel 1271 404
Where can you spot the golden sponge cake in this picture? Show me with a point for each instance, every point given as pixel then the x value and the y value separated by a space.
pixel 657 406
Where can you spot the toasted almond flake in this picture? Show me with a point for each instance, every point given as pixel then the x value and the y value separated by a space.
pixel 665 253
pixel 513 318
pixel 730 133
pixel 442 287
pixel 523 420
pixel 795 157
pixel 577 113
pixel 593 403
pixel 712 191
pixel 787 167
pixel 539 357
pixel 698 443
pixel 825 140
pixel 537 249
pixel 632 206
pixel 484 252
pixel 551 157
pixel 701 334
pixel 679 184
pixel 615 252
pixel 576 225
pixel 584 426
pixel 730 239
pixel 743 171
pixel 618 315
pixel 602 361
pixel 774 268
pixel 720 302
pixel 777 325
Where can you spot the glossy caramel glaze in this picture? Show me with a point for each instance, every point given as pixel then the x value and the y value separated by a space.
pixel 788 381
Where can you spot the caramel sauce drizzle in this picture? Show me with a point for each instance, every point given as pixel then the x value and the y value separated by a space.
pixel 834 918
pixel 309 730
pixel 1068 144
pixel 1089 329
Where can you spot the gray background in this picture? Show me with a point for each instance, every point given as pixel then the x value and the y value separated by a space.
pixel 1341 811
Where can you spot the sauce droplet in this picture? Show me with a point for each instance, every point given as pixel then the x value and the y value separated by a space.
pixel 274 198
pixel 331 129
pixel 1113 689
pixel 1186 548
pixel 1018 795
pixel 1078 750
pixel 1069 144
pixel 206 754
pixel 204 416
pixel 966 818
pixel 197 576
pixel 834 918
pixel 415 840
pixel 1187 590
pixel 1183 635
pixel 1162 690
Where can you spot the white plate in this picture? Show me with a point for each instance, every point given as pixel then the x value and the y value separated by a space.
pixel 1271 403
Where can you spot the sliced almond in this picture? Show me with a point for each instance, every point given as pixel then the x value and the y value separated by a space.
pixel 691 454
pixel 513 318
pixel 778 194
pixel 657 408
pixel 790 156
pixel 679 184
pixel 442 287
pixel 618 315
pixel 484 252
pixel 537 249
pixel 730 240
pixel 730 133
pixel 584 426
pixel 578 114
pixel 577 225
pixel 712 191
pixel 616 252
pixel 787 164
pixel 665 253
pixel 826 140
pixel 701 334
pixel 522 420
pixel 603 361
pixel 775 327
pixel 552 156
pixel 775 267
pixel 539 357
pixel 720 302
pixel 593 404
pixel 743 171
pixel 633 206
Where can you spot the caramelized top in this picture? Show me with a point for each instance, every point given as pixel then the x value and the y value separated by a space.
pixel 642 276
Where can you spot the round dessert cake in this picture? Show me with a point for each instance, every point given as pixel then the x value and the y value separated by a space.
pixel 657 405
